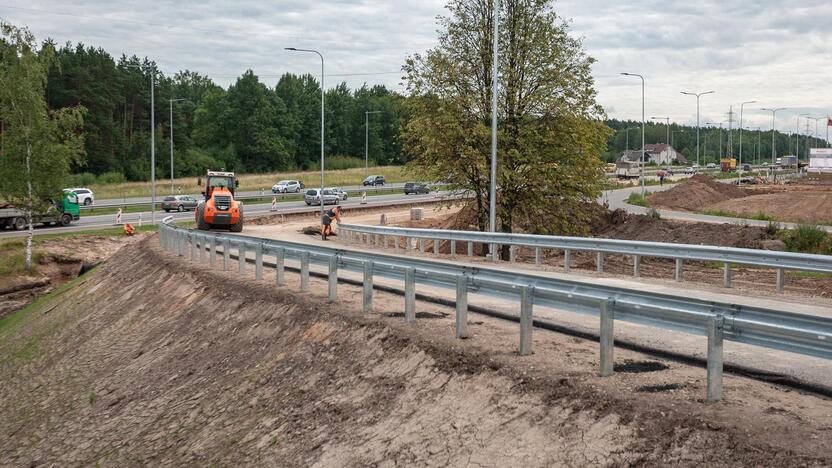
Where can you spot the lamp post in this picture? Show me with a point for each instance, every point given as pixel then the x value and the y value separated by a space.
pixel 741 106
pixel 667 132
pixel 642 129
pixel 797 134
pixel 321 193
pixel 698 95
pixel 492 199
pixel 366 141
pixel 759 138
pixel 773 112
pixel 152 138
pixel 171 101
pixel 816 119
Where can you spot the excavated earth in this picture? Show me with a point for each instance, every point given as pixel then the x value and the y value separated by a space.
pixel 153 360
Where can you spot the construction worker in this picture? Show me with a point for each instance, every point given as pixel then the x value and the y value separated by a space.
pixel 326 221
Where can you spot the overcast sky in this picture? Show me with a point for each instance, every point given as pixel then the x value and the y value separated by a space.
pixel 776 52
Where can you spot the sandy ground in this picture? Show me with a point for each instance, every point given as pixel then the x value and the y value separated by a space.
pixel 154 360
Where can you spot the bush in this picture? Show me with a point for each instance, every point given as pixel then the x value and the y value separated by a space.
pixel 635 198
pixel 111 178
pixel 808 238
pixel 83 179
pixel 773 228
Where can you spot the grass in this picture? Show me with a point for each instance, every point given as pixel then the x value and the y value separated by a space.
pixel 248 182
pixel 12 258
pixel 808 238
pixel 760 216
pixel 635 198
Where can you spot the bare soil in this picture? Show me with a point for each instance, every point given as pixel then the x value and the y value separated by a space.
pixel 696 193
pixel 152 360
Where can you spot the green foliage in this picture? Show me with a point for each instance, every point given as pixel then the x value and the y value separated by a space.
pixel 82 179
pixel 111 177
pixel 635 198
pixel 549 131
pixel 337 163
pixel 773 228
pixel 808 238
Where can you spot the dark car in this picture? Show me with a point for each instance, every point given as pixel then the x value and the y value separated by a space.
pixel 179 203
pixel 373 180
pixel 415 187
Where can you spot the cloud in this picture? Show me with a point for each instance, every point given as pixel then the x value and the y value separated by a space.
pixel 771 51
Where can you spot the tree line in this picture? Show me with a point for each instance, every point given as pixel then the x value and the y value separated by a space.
pixel 249 127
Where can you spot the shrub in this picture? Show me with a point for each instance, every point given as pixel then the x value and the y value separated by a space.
pixel 654 213
pixel 111 178
pixel 773 228
pixel 83 179
pixel 807 238
pixel 635 198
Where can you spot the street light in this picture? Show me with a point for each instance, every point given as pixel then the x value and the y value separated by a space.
pixel 797 134
pixel 642 128
pixel 492 199
pixel 152 138
pixel 816 134
pixel 321 193
pixel 366 140
pixel 667 132
pixel 698 95
pixel 171 101
pixel 773 112
pixel 741 106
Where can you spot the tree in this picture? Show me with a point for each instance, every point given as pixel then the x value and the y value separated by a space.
pixel 39 144
pixel 550 134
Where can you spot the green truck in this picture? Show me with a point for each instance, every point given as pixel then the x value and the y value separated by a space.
pixel 61 213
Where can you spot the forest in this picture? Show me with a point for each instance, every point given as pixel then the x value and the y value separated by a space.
pixel 248 127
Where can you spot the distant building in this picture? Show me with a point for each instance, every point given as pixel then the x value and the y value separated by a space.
pixel 660 154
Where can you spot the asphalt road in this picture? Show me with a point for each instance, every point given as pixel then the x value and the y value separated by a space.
pixel 104 221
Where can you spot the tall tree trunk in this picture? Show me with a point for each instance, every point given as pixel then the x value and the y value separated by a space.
pixel 29 208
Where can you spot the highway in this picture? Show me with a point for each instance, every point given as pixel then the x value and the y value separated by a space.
pixel 105 221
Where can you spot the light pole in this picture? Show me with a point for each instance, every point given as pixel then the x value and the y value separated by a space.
pixel 642 128
pixel 366 141
pixel 741 106
pixel 627 133
pixel 171 101
pixel 152 138
pixel 698 95
pixel 815 137
pixel 773 112
pixel 492 199
pixel 667 132
pixel 797 135
pixel 759 138
pixel 321 193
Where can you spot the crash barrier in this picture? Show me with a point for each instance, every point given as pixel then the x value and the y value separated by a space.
pixel 727 256
pixel 769 328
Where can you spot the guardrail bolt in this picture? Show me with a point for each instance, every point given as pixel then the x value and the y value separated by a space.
pixel 410 295
pixel 607 342
pixel 716 327
pixel 526 306
pixel 461 306
pixel 368 286
pixel 304 271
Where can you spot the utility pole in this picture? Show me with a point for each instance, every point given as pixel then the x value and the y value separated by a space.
pixel 730 153
pixel 492 202
pixel 797 135
pixel 366 141
pixel 698 95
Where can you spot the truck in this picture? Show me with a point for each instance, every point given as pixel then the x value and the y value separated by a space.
pixel 61 213
pixel 788 161
pixel 728 164
pixel 627 169
pixel 220 209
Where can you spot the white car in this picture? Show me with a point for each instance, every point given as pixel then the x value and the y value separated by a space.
pixel 711 166
pixel 342 195
pixel 287 186
pixel 85 195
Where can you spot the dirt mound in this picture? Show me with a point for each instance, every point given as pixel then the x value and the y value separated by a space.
pixel 646 228
pixel 696 193
pixel 153 360
pixel 800 206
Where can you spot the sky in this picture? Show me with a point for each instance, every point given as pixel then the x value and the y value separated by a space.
pixel 778 53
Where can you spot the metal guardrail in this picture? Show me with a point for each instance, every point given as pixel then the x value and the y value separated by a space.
pixel 803 334
pixel 263 195
pixel 780 261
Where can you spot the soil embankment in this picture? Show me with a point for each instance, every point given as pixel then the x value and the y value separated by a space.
pixel 153 360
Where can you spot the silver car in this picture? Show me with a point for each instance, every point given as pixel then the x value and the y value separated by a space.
pixel 342 195
pixel 313 197
pixel 179 203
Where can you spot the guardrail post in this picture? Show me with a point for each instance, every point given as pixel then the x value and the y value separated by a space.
pixel 607 342
pixel 636 266
pixel 332 278
pixel 494 256
pixel 599 263
pixel 436 246
pixel 781 280
pixel 470 249
pixel 453 247
pixel 461 306
pixel 368 286
pixel 395 243
pixel 407 244
pixel 182 239
pixel 537 256
pixel 716 326
pixel 376 240
pixel 201 244
pixel 241 257
pixel 410 295
pixel 194 248
pixel 421 246
pixel 526 306
pixel 512 253
pixel 726 275
pixel 386 241
pixel 226 254
pixel 212 260
pixel 258 261
pixel 567 259
pixel 279 266
pixel 679 270
pixel 304 271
